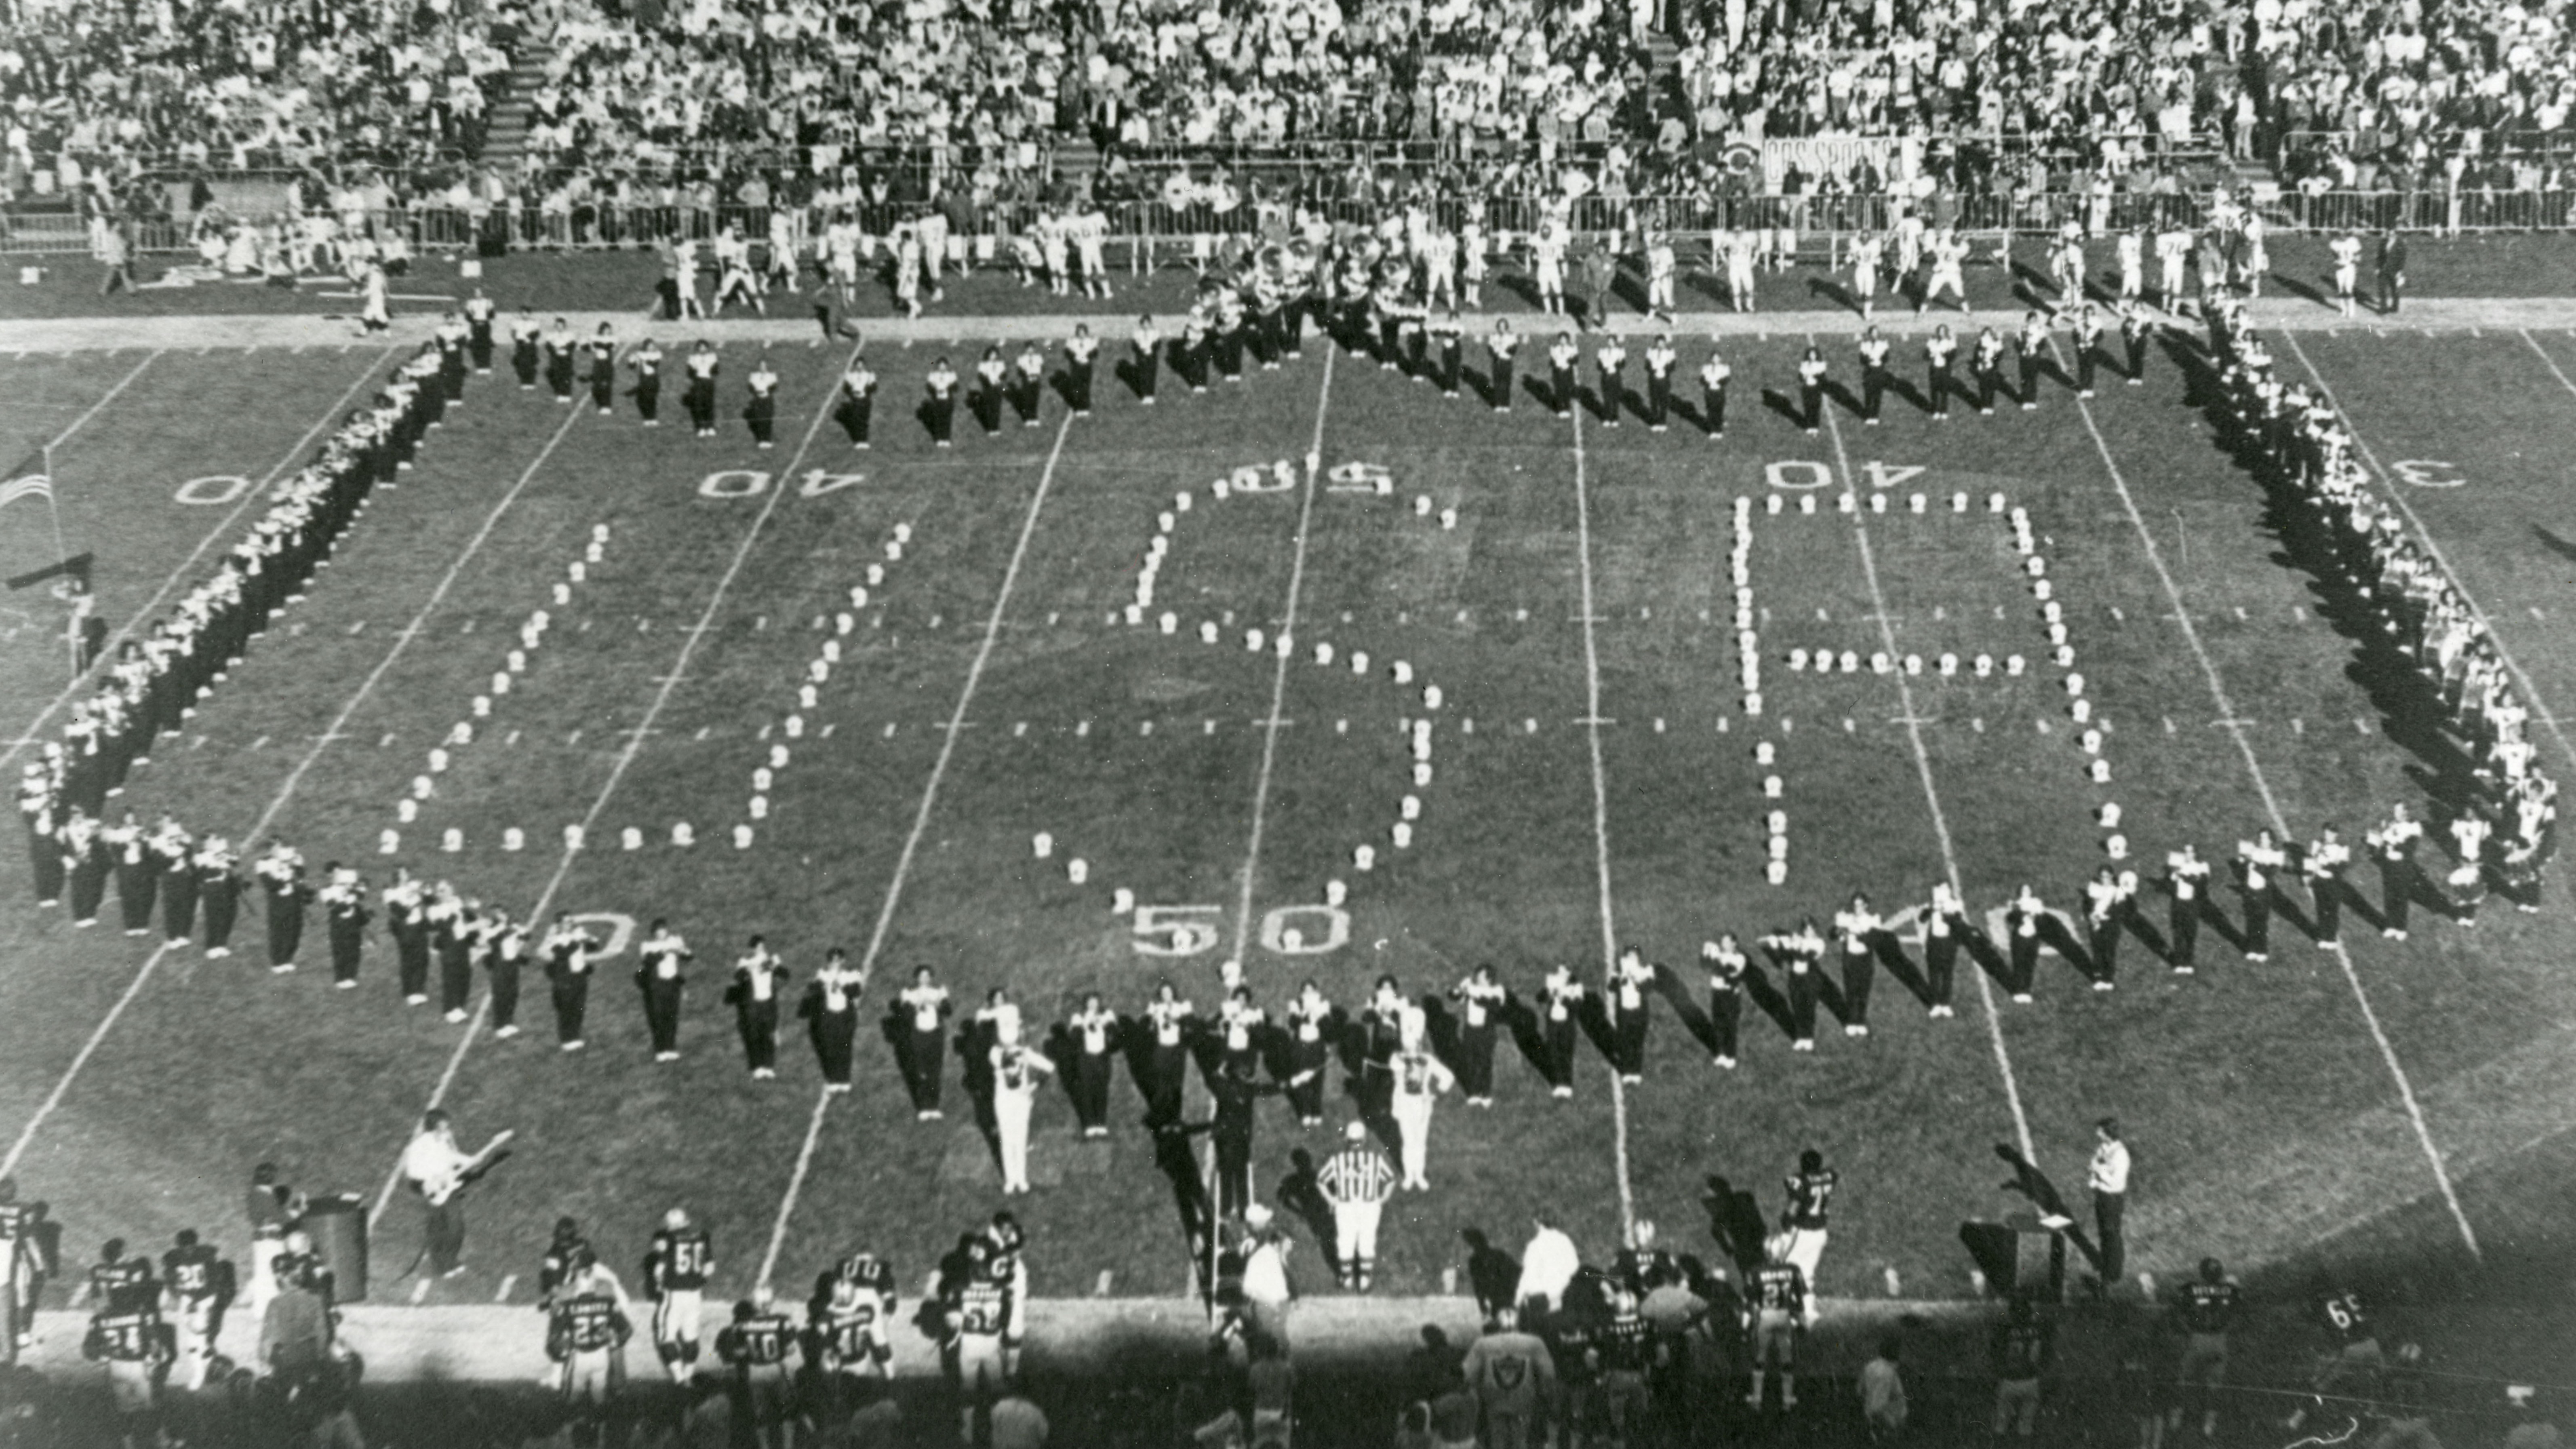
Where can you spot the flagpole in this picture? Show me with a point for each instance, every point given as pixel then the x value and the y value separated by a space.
pixel 54 508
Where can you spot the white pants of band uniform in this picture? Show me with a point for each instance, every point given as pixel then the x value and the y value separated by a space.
pixel 1806 1250
pixel 193 1322
pixel 1413 1127
pixel 1355 1232
pixel 1011 1121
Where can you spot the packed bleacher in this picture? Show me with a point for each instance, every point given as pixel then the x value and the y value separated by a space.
pixel 695 106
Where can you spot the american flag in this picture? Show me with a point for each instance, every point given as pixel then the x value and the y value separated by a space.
pixel 30 479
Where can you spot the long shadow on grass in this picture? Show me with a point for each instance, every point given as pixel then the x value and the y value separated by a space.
pixel 2410 709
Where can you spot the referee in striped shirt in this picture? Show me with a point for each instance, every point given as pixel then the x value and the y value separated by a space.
pixel 1357 1181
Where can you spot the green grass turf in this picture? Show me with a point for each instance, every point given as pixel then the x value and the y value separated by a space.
pixel 2260 1105
pixel 2501 264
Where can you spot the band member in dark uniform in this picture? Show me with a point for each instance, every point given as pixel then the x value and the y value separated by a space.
pixel 561 349
pixel 659 977
pixel 1811 391
pixel 219 888
pixel 858 402
pixel 1311 1029
pixel 568 971
pixel 479 312
pixel 924 1006
pixel 761 412
pixel 759 982
pixel 647 362
pixel 1148 359
pixel 1940 354
pixel 1081 352
pixel 702 365
pixel 1092 1037
pixel 603 368
pixel 1560 999
pixel 524 350
pixel 281 879
pixel 1481 1000
pixel 1873 375
pixel 1725 962
pixel 941 385
pixel 831 1012
pixel 1499 347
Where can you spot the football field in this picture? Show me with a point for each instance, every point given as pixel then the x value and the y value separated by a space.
pixel 1325 673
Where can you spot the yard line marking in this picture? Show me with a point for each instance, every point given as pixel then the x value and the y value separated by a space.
pixel 95 408
pixel 2272 807
pixel 1932 794
pixel 1600 813
pixel 617 771
pixel 920 823
pixel 221 528
pixel 1279 675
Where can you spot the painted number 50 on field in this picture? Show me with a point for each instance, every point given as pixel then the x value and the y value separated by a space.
pixel 1307 930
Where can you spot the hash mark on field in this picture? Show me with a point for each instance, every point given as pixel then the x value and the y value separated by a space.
pixel 508 1282
pixel 703 729
pixel 574 738
pixel 386 741
pixel 513 738
pixel 468 629
pixel 420 1292
pixel 199 743
pixel 889 729
pixel 2361 726
pixel 2169 724
pixel 358 627
pixel 2535 612
pixel 827 730
pixel 259 743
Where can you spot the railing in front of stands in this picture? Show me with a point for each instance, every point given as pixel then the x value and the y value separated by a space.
pixel 1156 225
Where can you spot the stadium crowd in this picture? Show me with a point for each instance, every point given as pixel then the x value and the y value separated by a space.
pixel 1222 111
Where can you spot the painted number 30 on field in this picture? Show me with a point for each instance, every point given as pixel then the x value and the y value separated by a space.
pixel 1288 931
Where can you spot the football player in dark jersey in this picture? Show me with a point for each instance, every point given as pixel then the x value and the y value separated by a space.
pixel 584 1333
pixel 2206 1309
pixel 675 1278
pixel 1774 1313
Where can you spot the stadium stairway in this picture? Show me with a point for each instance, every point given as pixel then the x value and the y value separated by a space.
pixel 505 140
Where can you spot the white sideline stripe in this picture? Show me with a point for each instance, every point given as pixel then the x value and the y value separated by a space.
pixel 920 826
pixel 222 528
pixel 1600 814
pixel 2540 709
pixel 2280 825
pixel 1931 792
pixel 1279 677
pixel 142 974
pixel 625 757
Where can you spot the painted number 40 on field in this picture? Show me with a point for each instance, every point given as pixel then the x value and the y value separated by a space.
pixel 752 482
pixel 1308 930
